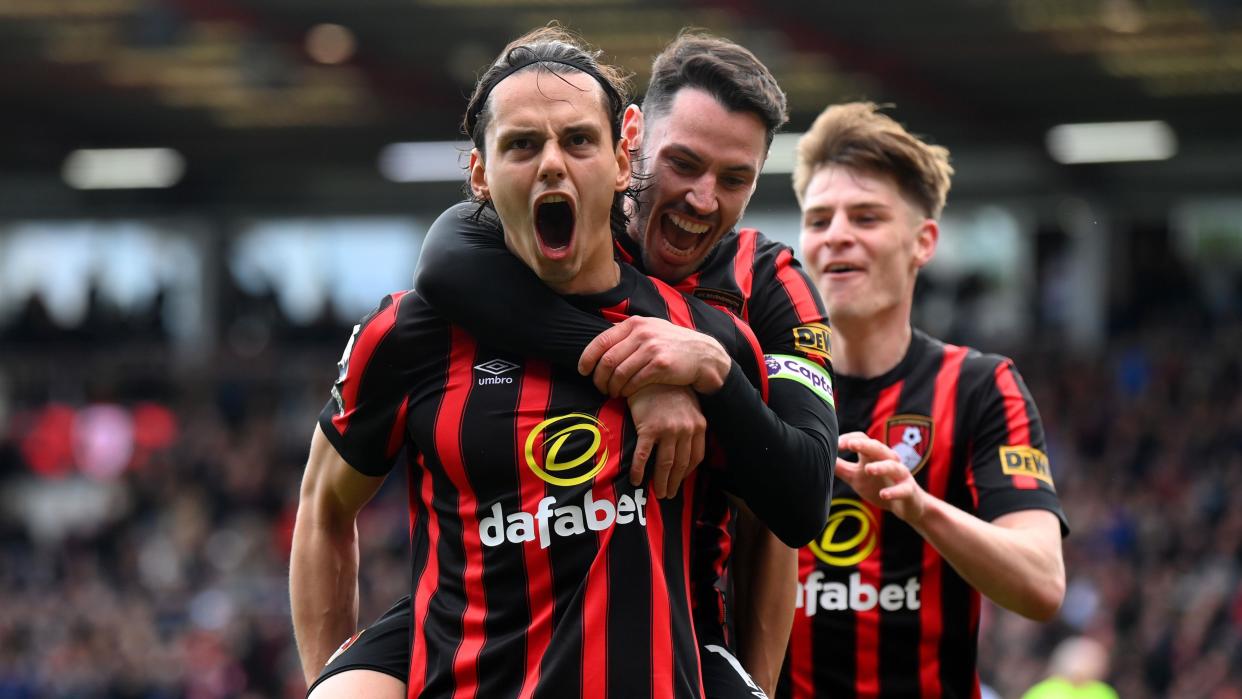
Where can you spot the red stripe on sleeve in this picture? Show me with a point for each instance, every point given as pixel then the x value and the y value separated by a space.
pixel 532 409
pixel 396 437
pixel 424 588
pixel 448 448
pixel 931 618
pixel 796 286
pixel 596 605
pixel 870 572
pixel 755 348
pixel 359 356
pixel 1015 417
pixel 744 266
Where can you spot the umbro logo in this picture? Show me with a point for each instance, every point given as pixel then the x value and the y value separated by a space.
pixel 495 367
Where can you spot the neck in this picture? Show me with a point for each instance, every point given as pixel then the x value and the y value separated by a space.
pixel 868 347
pixel 593 279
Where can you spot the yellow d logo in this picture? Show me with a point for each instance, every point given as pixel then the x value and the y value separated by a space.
pixel 556 441
pixel 849 536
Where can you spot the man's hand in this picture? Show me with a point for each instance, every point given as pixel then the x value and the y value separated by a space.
pixel 641 351
pixel 880 477
pixel 668 419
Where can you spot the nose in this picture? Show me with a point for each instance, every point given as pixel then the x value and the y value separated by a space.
pixel 551 163
pixel 836 235
pixel 702 196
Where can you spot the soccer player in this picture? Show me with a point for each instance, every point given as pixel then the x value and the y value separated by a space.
pixel 709 116
pixel 539 568
pixel 963 504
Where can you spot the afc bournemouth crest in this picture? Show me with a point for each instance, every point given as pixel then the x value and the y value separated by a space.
pixel 911 437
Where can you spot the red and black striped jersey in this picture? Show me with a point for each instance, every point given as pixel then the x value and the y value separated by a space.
pixel 760 281
pixel 880 613
pixel 538 569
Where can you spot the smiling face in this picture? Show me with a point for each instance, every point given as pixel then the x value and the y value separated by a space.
pixel 863 243
pixel 701 163
pixel 551 171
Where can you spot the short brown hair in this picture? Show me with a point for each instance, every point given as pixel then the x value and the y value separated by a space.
pixel 857 135
pixel 728 72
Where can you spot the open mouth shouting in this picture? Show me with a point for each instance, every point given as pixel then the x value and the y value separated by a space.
pixel 682 236
pixel 554 225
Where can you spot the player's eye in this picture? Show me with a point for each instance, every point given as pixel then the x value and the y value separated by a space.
pixel 521 144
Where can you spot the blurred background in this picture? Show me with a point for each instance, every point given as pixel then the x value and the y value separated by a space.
pixel 198 198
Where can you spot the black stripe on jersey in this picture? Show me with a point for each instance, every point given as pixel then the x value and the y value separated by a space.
pixel 500 670
pixel 902 546
pixel 562 668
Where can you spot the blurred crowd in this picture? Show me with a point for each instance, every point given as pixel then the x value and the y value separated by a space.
pixel 148 506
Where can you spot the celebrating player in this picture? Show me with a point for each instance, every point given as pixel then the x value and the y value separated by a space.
pixel 964 502
pixel 539 567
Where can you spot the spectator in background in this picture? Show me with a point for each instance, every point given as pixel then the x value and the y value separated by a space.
pixel 1077 670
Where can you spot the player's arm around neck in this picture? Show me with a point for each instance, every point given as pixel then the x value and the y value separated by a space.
pixel 323 566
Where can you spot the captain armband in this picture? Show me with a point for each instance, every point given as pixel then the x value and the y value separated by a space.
pixel 807 373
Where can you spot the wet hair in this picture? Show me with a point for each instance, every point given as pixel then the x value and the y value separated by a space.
pixel 558 52
pixel 856 135
pixel 728 72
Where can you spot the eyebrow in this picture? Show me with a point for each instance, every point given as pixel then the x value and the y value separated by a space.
pixel 693 155
pixel 865 205
pixel 511 132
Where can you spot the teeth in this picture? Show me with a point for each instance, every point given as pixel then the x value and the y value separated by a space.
pixel 839 268
pixel 688 225
pixel 554 199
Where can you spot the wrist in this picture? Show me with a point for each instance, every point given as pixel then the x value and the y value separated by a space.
pixel 713 370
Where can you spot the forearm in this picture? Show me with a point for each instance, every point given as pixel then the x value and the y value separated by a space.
pixel 1019 566
pixel 765 575
pixel 468 275
pixel 323 590
pixel 780 459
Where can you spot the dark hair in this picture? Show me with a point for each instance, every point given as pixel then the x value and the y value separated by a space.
pixel 857 135
pixel 723 69
pixel 554 50
pixel 557 51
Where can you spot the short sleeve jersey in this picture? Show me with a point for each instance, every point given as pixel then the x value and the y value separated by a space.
pixel 880 613
pixel 538 569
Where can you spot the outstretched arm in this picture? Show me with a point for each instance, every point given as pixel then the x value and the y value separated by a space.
pixel 1015 560
pixel 323 566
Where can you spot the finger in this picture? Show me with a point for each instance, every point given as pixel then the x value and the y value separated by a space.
pixel 625 372
pixel 892 470
pixel 847 441
pixel 601 344
pixel 665 452
pixel 698 447
pixel 869 449
pixel 617 355
pixel 897 492
pixel 681 465
pixel 847 471
pixel 642 452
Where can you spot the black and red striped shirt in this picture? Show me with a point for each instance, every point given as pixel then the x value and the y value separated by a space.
pixel 786 454
pixel 880 613
pixel 538 569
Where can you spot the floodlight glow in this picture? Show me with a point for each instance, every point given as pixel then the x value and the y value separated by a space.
pixel 123 168
pixel 425 161
pixel 1111 142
